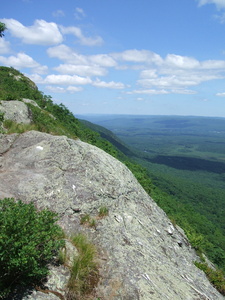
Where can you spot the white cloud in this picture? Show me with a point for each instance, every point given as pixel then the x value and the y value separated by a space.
pixel 81 70
pixel 74 89
pixel 4 46
pixel 176 73
pixel 65 53
pixel 59 89
pixel 22 60
pixel 183 62
pixel 149 92
pixel 138 56
pixel 79 13
pixel 87 41
pixel 161 92
pixel 41 33
pixel 58 13
pixel 36 78
pixel 75 63
pixel 221 94
pixel 103 60
pixel 220 4
pixel 55 89
pixel 110 85
pixel 40 70
pixel 67 80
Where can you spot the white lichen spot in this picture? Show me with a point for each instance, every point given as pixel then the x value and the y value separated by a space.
pixel 39 148
pixel 74 187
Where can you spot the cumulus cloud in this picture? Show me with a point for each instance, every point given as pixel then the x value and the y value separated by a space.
pixel 40 33
pixel 172 74
pixel 59 89
pixel 220 4
pixel 138 56
pixel 67 55
pixel 149 92
pixel 221 94
pixel 103 60
pixel 82 65
pixel 22 60
pixel 87 41
pixel 4 46
pixel 111 84
pixel 67 80
pixel 36 78
pixel 183 62
pixel 82 70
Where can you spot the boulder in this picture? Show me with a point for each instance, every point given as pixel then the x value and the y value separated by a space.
pixel 141 254
pixel 16 111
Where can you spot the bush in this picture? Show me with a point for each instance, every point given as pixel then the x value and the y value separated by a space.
pixel 29 240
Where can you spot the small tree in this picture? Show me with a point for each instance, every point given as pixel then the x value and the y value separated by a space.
pixel 29 239
pixel 2 29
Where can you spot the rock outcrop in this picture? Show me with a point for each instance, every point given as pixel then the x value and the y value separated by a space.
pixel 141 254
pixel 16 111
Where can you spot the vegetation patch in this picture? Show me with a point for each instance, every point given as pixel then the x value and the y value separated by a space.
pixel 88 220
pixel 103 212
pixel 29 241
pixel 84 271
pixel 13 127
pixel 216 277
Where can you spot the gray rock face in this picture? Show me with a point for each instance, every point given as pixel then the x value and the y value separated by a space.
pixel 141 254
pixel 16 111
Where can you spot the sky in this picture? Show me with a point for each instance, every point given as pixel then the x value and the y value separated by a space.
pixel 145 57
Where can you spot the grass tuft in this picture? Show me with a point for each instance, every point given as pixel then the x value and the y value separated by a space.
pixel 84 272
pixel 103 212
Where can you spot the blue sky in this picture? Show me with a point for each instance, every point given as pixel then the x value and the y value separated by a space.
pixel 164 57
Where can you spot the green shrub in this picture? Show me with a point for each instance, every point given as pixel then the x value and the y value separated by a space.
pixel 216 277
pixel 29 240
pixel 103 212
pixel 84 272
pixel 1 117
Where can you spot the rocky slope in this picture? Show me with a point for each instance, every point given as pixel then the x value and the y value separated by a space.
pixel 141 254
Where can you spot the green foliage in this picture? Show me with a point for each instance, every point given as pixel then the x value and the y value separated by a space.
pixel 1 117
pixel 216 277
pixel 84 272
pixel 87 220
pixel 13 127
pixel 29 239
pixel 14 86
pixel 2 29
pixel 103 212
pixel 141 174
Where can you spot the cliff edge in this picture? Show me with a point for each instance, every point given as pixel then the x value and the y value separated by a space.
pixel 141 254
